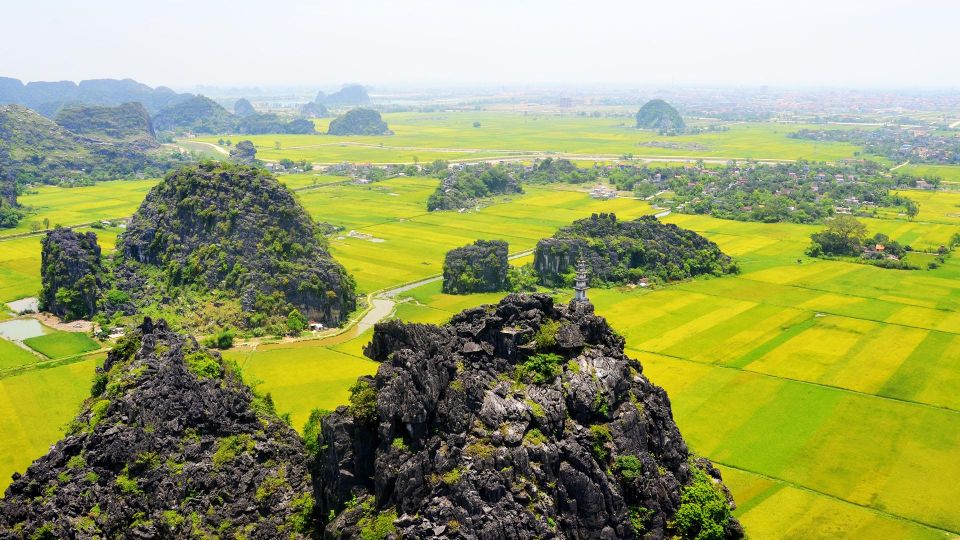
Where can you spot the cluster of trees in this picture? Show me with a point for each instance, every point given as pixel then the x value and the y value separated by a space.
pixel 845 236
pixel 799 192
pixel 463 188
pixel 898 144
pixel 619 252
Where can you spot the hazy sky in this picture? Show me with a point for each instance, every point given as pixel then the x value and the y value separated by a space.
pixel 885 43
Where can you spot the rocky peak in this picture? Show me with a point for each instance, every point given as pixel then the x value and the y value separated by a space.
pixel 72 273
pixel 520 420
pixel 170 444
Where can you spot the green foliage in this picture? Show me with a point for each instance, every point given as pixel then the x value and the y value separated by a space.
pixel 272 483
pixel 363 402
pixel 704 510
pixel 99 383
pixel 480 449
pixel 221 340
pixel 628 467
pixel 843 235
pixel 228 448
pixel 126 483
pixel 301 520
pixel 197 115
pixel 536 408
pixel 638 516
pixel 203 365
pixel 540 368
pixel 465 187
pixel 400 444
pixel 522 278
pixel 534 437
pixel 311 430
pixel 173 519
pixel 619 252
pixel 600 433
pixel 76 462
pixel 296 323
pixel 97 411
pixel 546 336
pixel 452 476
pixel 379 526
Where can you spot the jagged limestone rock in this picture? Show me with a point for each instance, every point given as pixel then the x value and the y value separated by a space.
pixel 171 444
pixel 72 273
pixel 478 267
pixel 520 420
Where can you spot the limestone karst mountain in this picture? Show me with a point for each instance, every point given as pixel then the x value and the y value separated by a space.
pixel 171 444
pixel 520 420
pixel 236 230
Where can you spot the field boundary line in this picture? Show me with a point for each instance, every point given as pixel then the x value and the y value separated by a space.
pixel 801 381
pixel 827 311
pixel 808 489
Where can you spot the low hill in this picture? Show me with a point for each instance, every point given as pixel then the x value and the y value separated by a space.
pixel 36 149
pixel 520 420
pixel 619 252
pixel 196 115
pixel 350 95
pixel 171 444
pixel 10 212
pixel 466 187
pixel 359 122
pixel 259 124
pixel 129 123
pixel 314 110
pixel 660 115
pixel 478 267
pixel 243 107
pixel 235 232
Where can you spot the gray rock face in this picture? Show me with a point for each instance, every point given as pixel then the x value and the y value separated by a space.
pixel 171 445
pixel 478 267
pixel 72 273
pixel 520 420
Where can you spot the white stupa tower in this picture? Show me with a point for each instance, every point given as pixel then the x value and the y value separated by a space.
pixel 580 288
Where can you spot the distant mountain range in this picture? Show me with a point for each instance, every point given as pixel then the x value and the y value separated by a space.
pixel 47 98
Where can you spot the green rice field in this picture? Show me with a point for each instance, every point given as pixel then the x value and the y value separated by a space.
pixel 62 344
pixel 450 135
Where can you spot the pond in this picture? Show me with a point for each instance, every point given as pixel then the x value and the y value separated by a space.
pixel 24 305
pixel 21 329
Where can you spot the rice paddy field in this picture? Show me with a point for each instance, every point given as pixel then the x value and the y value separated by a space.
pixel 450 135
pixel 827 392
